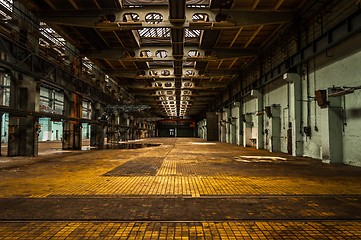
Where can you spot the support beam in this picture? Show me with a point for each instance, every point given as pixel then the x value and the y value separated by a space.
pixel 72 129
pixel 255 4
pixel 124 54
pixel 278 4
pixel 295 108
pixel 254 34
pixel 50 3
pixel 23 131
pixel 97 130
pixel 212 133
pixel 259 118
pixel 236 37
pixel 275 128
pixel 332 130
pixel 150 73
pixel 177 9
pixel 74 4
pixel 239 18
pixel 236 127
pixel 97 4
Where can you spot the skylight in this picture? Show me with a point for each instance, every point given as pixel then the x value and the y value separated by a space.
pixel 192 33
pixel 51 35
pixel 154 32
pixel 193 3
pixel 8 4
pixel 153 18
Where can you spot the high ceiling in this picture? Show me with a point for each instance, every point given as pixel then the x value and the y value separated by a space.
pixel 175 56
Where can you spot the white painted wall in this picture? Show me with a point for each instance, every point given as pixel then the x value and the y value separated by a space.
pixel 250 132
pixel 346 72
pixel 279 96
pixel 341 67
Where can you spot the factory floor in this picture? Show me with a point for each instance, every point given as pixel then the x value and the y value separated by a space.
pixel 177 188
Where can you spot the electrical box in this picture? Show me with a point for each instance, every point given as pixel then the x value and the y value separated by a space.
pixel 321 98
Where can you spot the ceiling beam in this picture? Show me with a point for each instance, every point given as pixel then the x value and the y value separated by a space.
pixel 235 37
pixel 177 9
pixel 278 4
pixel 255 33
pixel 135 54
pixel 255 4
pixel 234 62
pixel 149 73
pixel 270 37
pixel 239 18
pixel 109 63
pixel 97 4
pixel 74 4
pixel 51 4
pixel 118 38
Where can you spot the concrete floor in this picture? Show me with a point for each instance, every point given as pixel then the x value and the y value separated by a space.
pixel 185 188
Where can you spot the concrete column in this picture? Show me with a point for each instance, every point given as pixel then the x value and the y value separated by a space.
pixel 212 133
pixel 222 127
pixel 227 122
pixel 97 131
pixel 295 108
pixel 259 120
pixel 111 132
pixel 202 129
pixel 118 121
pixel 130 123
pixel 275 128
pixel 72 129
pixel 247 130
pixel 236 124
pixel 332 130
pixel 126 131
pixel 151 129
pixel 23 130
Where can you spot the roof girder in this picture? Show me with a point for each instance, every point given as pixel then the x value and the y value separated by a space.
pixel 92 19
pixel 203 55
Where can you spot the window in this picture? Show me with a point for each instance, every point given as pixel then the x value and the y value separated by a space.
pixel 145 53
pixel 131 17
pixel 153 18
pixel 154 33
pixel 192 33
pixel 193 53
pixel 161 53
pixel 165 72
pixel 8 4
pixel 51 101
pixel 199 17
pixel 168 84
pixel 190 72
pixel 86 113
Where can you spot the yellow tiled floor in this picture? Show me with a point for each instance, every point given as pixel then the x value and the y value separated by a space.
pixel 179 168
pixel 181 230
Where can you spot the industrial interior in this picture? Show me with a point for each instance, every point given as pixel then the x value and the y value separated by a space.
pixel 180 119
